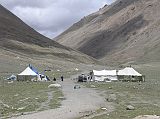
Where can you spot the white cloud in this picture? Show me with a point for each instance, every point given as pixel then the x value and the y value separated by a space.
pixel 51 17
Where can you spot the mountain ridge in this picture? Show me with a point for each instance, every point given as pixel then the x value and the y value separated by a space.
pixel 120 33
pixel 21 45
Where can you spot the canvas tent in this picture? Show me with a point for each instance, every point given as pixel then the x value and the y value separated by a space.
pixel 128 71
pixel 104 75
pixel 126 74
pixel 129 74
pixel 29 73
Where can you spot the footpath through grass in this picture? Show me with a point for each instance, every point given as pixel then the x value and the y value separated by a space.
pixel 20 97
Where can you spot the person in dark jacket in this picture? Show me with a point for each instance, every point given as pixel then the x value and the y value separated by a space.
pixel 54 79
pixel 61 78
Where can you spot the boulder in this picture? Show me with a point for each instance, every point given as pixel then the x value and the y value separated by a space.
pixel 54 85
pixel 130 107
pixel 104 108
pixel 148 117
pixel 93 86
pixel 10 82
pixel 111 98
pixel 77 87
pixel 21 108
pixel 61 98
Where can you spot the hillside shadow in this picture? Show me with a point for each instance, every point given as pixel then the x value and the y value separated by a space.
pixel 102 42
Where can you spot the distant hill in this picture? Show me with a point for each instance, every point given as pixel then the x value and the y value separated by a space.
pixel 127 31
pixel 20 44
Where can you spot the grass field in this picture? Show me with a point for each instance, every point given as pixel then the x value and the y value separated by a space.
pixel 145 97
pixel 20 97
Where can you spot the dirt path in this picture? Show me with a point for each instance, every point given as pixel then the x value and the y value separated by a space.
pixel 45 105
pixel 78 102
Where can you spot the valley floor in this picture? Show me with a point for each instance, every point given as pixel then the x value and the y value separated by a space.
pixel 87 103
pixel 79 102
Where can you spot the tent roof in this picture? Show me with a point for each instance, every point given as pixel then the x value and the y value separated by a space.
pixel 104 72
pixel 128 71
pixel 28 72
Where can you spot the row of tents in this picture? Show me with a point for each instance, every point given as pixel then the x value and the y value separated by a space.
pixel 126 74
pixel 31 74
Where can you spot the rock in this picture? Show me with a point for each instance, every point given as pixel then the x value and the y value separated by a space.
pixel 61 98
pixel 77 87
pixel 16 95
pixel 148 117
pixel 111 98
pixel 24 99
pixel 6 106
pixel 93 86
pixel 21 108
pixel 76 69
pixel 130 107
pixel 54 85
pixel 10 82
pixel 103 108
pixel 87 115
pixel 134 87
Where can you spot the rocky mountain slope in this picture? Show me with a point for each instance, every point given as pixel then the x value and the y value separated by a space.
pixel 127 31
pixel 21 45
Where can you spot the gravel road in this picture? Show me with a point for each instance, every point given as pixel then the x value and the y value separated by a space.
pixel 78 102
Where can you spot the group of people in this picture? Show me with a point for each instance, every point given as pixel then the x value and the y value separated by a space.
pixel 56 79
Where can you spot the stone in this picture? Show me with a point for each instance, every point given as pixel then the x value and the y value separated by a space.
pixel 147 117
pixel 77 87
pixel 111 98
pixel 104 108
pixel 61 98
pixel 54 85
pixel 110 87
pixel 93 86
pixel 130 107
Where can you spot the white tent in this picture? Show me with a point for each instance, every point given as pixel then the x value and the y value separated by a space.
pixel 104 72
pixel 104 75
pixel 28 72
pixel 114 75
pixel 128 71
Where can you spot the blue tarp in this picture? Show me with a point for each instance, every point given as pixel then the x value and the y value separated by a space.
pixel 33 69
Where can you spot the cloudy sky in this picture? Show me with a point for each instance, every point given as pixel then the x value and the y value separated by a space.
pixel 51 17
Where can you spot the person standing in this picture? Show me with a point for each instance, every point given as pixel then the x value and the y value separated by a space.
pixel 54 79
pixel 61 78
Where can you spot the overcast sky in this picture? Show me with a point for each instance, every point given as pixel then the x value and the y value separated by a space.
pixel 51 17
